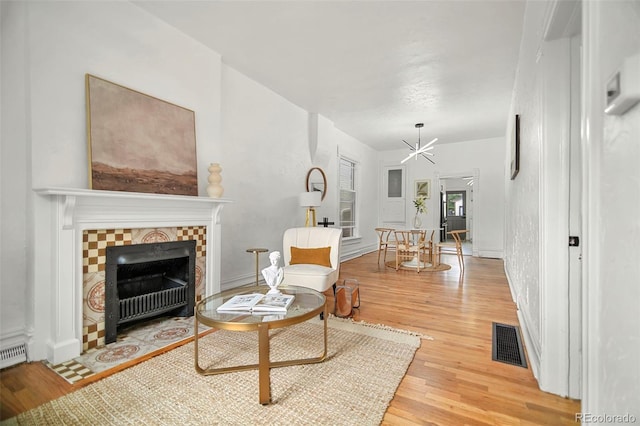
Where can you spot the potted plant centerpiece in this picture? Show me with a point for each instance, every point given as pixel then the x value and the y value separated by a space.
pixel 421 207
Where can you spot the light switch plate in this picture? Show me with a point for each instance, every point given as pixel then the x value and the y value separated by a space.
pixel 623 88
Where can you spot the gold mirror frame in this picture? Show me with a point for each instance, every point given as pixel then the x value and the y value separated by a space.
pixel 324 182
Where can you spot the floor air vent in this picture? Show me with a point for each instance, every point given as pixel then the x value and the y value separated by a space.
pixel 507 345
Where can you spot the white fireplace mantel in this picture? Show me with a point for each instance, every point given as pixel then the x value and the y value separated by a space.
pixel 58 277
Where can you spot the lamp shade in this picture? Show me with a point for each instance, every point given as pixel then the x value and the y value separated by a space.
pixel 310 199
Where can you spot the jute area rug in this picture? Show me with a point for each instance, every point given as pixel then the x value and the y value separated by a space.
pixel 353 386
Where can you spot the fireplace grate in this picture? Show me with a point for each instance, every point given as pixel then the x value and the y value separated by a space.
pixel 155 303
pixel 507 345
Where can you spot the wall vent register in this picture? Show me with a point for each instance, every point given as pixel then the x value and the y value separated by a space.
pixel 507 345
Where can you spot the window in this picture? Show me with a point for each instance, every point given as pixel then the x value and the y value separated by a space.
pixel 347 197
pixel 394 183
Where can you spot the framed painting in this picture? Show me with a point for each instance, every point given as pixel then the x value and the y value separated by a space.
pixel 138 143
pixel 423 189
pixel 515 148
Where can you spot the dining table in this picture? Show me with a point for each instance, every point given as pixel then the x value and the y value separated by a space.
pixel 415 235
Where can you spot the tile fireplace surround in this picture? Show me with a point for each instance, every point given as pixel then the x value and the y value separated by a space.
pixel 59 255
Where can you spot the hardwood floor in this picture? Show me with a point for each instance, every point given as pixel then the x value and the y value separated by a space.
pixel 452 379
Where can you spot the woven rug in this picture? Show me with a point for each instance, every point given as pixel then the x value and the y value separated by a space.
pixel 353 386
pixel 439 268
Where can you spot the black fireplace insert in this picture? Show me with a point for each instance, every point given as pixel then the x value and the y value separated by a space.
pixel 145 281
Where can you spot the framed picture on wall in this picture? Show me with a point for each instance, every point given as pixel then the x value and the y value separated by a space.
pixel 138 143
pixel 423 188
pixel 515 148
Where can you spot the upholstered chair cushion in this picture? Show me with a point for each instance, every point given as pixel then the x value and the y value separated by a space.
pixel 313 256
pixel 311 275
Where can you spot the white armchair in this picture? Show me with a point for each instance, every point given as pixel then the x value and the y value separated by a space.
pixel 318 268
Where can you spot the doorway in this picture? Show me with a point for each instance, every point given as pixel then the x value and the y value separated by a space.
pixel 455 218
pixel 457 207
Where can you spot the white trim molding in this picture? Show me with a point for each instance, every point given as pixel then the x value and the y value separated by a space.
pixel 592 138
pixel 65 214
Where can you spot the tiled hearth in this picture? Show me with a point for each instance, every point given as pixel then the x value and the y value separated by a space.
pixel 133 343
pixel 74 226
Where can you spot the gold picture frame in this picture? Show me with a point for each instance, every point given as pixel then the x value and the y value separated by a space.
pixel 317 181
pixel 423 188
pixel 138 143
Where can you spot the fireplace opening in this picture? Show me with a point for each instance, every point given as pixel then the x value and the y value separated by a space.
pixel 145 281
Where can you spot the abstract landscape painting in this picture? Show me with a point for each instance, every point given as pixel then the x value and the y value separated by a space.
pixel 138 143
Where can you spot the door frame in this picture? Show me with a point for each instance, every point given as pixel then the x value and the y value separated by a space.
pixel 561 203
pixel 393 209
pixel 475 172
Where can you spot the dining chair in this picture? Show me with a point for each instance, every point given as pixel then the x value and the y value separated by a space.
pixel 452 248
pixel 429 248
pixel 410 245
pixel 385 241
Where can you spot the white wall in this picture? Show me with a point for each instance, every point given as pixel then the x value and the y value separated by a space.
pixel 367 173
pixel 611 32
pixel 537 204
pixel 463 158
pixel 123 44
pixel 264 164
pixel 53 46
pixel 611 337
pixel 266 156
pixel 522 194
pixel 485 156
pixel 15 179
pixel 260 139
pixel 461 185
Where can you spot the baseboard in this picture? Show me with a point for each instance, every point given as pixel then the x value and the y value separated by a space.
pixel 531 348
pixel 348 255
pixel 250 278
pixel 351 256
pixel 241 280
pixel 533 351
pixel 490 254
pixel 511 288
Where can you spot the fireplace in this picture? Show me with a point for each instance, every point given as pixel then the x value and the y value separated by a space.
pixel 63 216
pixel 145 281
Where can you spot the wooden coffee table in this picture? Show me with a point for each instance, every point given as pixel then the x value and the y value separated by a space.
pixel 307 304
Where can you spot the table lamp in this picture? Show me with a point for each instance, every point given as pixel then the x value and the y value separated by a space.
pixel 310 200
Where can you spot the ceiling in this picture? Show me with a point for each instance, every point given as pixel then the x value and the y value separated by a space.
pixel 373 68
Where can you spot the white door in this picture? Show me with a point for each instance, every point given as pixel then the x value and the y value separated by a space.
pixel 393 197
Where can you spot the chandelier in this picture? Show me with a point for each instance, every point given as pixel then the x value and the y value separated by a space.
pixel 418 149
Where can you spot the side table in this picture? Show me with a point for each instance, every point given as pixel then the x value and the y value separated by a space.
pixel 257 251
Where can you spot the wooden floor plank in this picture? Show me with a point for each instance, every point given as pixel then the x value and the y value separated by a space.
pixel 452 379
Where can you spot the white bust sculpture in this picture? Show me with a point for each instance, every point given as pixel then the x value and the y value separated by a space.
pixel 273 274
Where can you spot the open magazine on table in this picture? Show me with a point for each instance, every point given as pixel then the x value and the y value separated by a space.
pixel 257 303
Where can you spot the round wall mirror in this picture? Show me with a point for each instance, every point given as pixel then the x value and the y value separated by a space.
pixel 317 181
